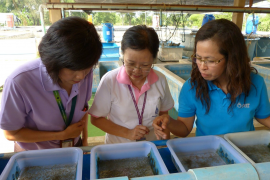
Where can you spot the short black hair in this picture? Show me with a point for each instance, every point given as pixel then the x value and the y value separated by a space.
pixel 141 37
pixel 71 43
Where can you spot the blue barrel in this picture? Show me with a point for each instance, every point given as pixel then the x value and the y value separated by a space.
pixel 107 30
pixel 208 17
pixel 251 25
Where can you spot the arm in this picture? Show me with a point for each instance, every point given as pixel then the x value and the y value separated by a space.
pixel 180 127
pixel 167 131
pixel 85 131
pixel 264 105
pixel 265 122
pixel 30 136
pixel 109 127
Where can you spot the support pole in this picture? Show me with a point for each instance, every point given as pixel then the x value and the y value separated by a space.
pixel 55 14
pixel 160 19
pixel 41 10
pixel 237 18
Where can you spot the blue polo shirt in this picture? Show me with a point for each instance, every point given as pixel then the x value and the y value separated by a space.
pixel 219 120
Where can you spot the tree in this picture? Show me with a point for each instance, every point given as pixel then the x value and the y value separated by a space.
pixel 78 14
pixel 264 24
pixel 143 18
pixel 104 17
pixel 224 15
pixel 26 10
pixel 195 20
pixel 129 19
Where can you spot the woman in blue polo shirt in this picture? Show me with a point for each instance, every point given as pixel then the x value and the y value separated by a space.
pixel 224 92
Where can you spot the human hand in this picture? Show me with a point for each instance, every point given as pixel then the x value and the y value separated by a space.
pixel 138 132
pixel 160 123
pixel 74 130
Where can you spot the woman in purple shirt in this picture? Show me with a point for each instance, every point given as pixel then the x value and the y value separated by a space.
pixel 44 102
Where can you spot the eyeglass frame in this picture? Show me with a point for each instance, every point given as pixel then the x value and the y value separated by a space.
pixel 139 68
pixel 205 61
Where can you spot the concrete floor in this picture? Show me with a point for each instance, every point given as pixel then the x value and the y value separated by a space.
pixel 13 53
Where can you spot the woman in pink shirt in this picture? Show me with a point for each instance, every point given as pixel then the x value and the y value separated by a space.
pixel 129 98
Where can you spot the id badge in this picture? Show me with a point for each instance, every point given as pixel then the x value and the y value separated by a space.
pixel 67 143
pixel 142 139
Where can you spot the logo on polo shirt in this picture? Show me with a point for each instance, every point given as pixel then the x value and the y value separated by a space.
pixel 156 112
pixel 239 105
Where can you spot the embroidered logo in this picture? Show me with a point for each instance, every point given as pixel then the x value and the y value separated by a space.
pixel 239 105
pixel 156 112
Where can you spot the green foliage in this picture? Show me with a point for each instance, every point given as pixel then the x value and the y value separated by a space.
pixel 175 19
pixel 78 14
pixel 103 17
pixel 226 15
pixel 25 10
pixel 68 1
pixel 264 23
pixel 195 20
pixel 141 19
pixel 129 19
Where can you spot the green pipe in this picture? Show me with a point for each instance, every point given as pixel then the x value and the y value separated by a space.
pixel 160 19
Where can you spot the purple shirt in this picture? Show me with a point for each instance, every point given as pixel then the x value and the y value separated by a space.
pixel 28 101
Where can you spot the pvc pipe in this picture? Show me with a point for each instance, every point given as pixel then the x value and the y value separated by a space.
pixel 174 7
pixel 263 170
pixel 243 171
pixel 63 13
pixel 174 176
pixel 41 7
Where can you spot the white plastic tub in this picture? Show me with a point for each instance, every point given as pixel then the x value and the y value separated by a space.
pixel 170 53
pixel 125 151
pixel 43 158
pixel 249 140
pixel 204 151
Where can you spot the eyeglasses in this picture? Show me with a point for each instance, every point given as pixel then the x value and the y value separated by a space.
pixel 208 62
pixel 132 67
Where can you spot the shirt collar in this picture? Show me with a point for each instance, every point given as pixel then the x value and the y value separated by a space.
pixel 212 86
pixel 123 78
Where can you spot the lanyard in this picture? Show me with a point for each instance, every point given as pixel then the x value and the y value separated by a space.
pixel 62 109
pixel 140 116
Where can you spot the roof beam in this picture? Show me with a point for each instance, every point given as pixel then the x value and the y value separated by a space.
pixel 154 7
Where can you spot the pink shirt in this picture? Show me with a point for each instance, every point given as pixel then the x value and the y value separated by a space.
pixel 113 100
pixel 28 101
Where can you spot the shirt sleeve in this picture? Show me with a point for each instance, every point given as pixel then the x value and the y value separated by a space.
pixel 167 102
pixel 89 90
pixel 13 109
pixel 263 109
pixel 102 102
pixel 186 101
